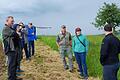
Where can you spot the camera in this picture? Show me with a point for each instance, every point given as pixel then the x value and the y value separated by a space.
pixel 22 26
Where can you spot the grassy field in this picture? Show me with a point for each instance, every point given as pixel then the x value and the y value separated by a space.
pixel 94 66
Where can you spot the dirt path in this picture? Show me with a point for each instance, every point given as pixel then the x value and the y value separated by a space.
pixel 2 65
pixel 46 65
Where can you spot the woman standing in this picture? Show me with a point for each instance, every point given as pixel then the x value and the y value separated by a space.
pixel 80 48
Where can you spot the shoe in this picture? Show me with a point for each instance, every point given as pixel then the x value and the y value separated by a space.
pixel 85 78
pixel 71 71
pixel 28 59
pixel 78 70
pixel 18 78
pixel 18 71
pixel 66 68
pixel 19 75
pixel 81 76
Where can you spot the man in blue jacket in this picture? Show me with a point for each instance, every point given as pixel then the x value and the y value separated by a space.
pixel 31 38
pixel 109 58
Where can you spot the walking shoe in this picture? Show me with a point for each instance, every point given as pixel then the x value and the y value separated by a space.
pixel 19 75
pixel 81 76
pixel 18 78
pixel 66 68
pixel 71 71
pixel 19 70
pixel 85 78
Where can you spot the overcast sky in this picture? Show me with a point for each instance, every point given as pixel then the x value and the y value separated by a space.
pixel 54 13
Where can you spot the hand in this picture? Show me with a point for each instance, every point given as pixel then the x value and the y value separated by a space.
pixel 18 32
pixel 32 33
pixel 61 42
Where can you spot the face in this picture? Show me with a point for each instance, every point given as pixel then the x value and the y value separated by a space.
pixel 10 21
pixel 63 30
pixel 30 25
pixel 78 32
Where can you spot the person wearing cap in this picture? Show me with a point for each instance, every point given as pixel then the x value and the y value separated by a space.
pixel 64 43
pixel 80 49
pixel 109 54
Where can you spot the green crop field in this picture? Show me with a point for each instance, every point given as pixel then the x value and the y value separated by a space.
pixel 94 66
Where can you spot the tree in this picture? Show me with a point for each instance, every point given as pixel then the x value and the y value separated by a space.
pixel 108 14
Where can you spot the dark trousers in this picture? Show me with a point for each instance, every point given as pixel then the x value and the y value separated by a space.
pixel 12 65
pixel 31 45
pixel 81 61
pixel 19 57
pixel 110 71
pixel 26 50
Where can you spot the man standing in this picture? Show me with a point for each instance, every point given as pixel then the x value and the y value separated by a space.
pixel 109 58
pixel 64 42
pixel 31 38
pixel 9 36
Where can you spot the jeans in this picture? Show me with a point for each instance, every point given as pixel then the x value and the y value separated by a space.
pixel 81 61
pixel 31 45
pixel 12 65
pixel 110 71
pixel 63 53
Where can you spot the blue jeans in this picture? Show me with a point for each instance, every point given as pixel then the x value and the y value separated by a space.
pixel 81 61
pixel 110 71
pixel 31 45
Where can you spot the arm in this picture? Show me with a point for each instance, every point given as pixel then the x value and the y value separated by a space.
pixel 30 33
pixel 104 50
pixel 70 38
pixel 58 40
pixel 25 31
pixel 87 44
pixel 73 44
pixel 35 33
pixel 7 32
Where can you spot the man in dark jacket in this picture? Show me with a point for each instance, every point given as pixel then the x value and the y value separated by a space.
pixel 9 41
pixel 109 58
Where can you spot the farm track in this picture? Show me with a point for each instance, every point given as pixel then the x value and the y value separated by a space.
pixel 46 65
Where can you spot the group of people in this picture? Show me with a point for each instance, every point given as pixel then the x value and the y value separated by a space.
pixel 109 52
pixel 16 38
pixel 19 37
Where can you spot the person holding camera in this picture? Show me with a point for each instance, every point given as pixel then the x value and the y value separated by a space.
pixel 24 40
pixel 19 46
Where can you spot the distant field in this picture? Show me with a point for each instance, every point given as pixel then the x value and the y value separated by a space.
pixel 94 66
